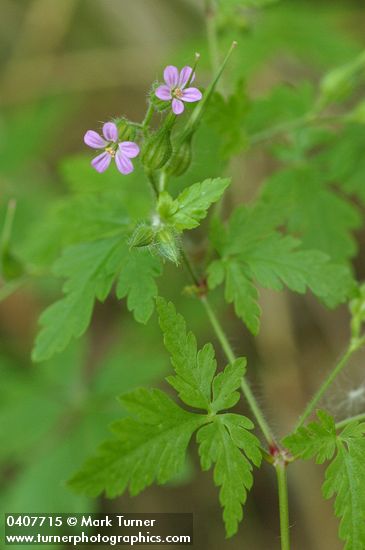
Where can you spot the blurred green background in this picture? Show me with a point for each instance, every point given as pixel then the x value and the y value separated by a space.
pixel 64 66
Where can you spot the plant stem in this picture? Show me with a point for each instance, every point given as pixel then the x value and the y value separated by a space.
pixel 223 340
pixel 153 183
pixel 306 120
pixel 354 346
pixel 147 118
pixel 212 35
pixel 343 423
pixel 283 505
pixel 246 390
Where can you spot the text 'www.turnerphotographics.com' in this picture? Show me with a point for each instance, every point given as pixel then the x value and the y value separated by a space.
pixel 107 529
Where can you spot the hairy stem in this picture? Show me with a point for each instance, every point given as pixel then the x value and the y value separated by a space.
pixel 223 340
pixel 355 344
pixel 148 116
pixel 152 181
pixel 283 505
pixel 246 390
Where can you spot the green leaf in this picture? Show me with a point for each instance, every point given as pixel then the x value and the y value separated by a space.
pixel 314 211
pixel 90 269
pixel 225 385
pixel 240 291
pixel 316 439
pixel 343 161
pixel 284 104
pixel 137 282
pixel 83 181
pixel 194 370
pixel 191 206
pixel 253 252
pixel 221 443
pixel 228 117
pixel 150 446
pixel 194 380
pixel 277 262
pixel 345 476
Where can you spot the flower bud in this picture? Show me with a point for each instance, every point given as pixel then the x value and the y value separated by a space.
pixel 157 149
pixel 167 244
pixel 143 235
pixel 340 82
pixel 181 157
pixel 126 130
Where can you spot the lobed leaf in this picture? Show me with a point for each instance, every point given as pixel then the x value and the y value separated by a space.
pixel 252 251
pixel 316 439
pixel 137 282
pixel 345 476
pixel 232 468
pixel 192 204
pixel 148 447
pixel 90 268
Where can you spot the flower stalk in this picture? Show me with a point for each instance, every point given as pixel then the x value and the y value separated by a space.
pixel 355 345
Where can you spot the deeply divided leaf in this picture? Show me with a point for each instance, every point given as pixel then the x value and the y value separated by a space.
pixel 345 476
pixel 91 269
pixel 221 444
pixel 194 380
pixel 253 252
pixel 148 447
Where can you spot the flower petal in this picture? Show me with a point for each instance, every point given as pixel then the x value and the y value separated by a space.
pixel 110 131
pixel 101 162
pixel 185 75
pixel 129 149
pixel 177 106
pixel 171 76
pixel 92 139
pixel 191 94
pixel 123 163
pixel 163 92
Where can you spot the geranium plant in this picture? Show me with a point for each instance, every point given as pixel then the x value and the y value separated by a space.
pixel 296 234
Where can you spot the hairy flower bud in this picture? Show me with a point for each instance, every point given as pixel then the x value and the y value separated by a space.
pixel 181 157
pixel 143 235
pixel 126 130
pixel 167 244
pixel 157 148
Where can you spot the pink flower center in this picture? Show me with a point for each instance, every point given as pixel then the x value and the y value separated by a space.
pixel 111 151
pixel 177 92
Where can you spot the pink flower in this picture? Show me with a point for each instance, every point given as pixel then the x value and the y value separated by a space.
pixel 175 88
pixel 120 151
